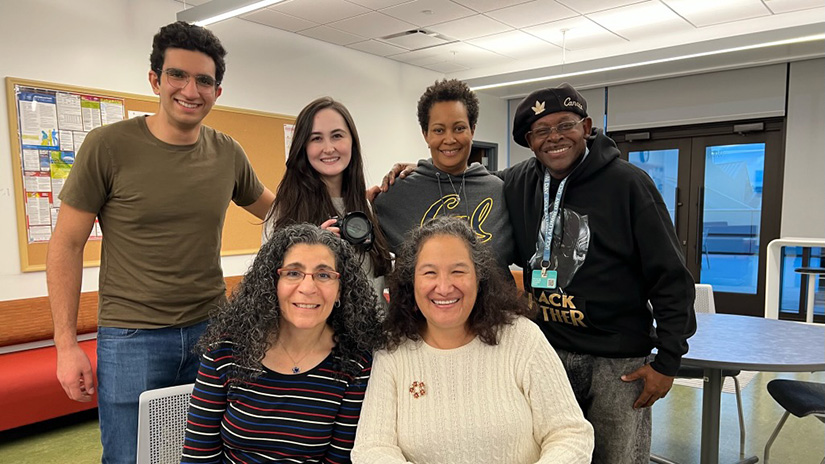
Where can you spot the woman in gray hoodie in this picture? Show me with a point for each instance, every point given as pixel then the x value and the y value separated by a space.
pixel 444 185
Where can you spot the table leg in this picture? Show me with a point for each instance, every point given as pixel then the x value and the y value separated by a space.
pixel 711 404
pixel 809 309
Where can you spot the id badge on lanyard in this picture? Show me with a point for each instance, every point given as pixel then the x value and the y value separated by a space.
pixel 546 278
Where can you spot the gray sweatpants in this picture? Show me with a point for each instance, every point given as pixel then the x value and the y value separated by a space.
pixel 622 433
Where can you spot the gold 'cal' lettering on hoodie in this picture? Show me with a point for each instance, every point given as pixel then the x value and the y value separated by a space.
pixel 479 215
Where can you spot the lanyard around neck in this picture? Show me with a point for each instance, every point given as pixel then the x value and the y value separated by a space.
pixel 550 219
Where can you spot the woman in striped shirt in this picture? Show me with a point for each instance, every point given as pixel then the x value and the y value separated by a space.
pixel 286 361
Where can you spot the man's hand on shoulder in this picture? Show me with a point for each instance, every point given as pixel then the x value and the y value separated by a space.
pixel 656 385
pixel 398 170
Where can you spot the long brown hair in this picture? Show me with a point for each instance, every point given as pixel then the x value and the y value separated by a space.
pixel 303 197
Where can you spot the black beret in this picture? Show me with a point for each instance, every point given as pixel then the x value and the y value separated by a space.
pixel 543 102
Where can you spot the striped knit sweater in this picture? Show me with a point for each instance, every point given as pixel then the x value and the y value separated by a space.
pixel 308 417
pixel 509 403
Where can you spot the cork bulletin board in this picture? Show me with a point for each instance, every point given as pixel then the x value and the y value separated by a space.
pixel 48 122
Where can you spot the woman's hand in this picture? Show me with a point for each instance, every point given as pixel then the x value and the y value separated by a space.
pixel 327 225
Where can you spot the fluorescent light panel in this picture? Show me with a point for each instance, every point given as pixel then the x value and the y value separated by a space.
pixel 219 10
pixel 809 38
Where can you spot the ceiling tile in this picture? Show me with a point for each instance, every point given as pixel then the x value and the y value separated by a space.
pixel 278 20
pixel 328 34
pixel 419 57
pixel 373 25
pixel 470 27
pixel 641 21
pixel 458 52
pixel 581 33
pixel 517 44
pixel 377 4
pixel 708 12
pixel 784 6
pixel 487 5
pixel 446 67
pixel 320 11
pixel 428 12
pixel 532 13
pixel 590 6
pixel 376 47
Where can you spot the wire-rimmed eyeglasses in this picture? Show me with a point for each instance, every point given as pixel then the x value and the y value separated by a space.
pixel 296 276
pixel 540 134
pixel 179 79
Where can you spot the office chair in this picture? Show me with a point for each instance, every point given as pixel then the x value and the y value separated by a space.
pixel 799 398
pixel 162 424
pixel 703 303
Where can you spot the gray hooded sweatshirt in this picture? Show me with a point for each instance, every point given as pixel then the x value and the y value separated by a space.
pixel 428 193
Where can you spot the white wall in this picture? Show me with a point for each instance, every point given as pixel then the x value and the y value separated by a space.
pixel 105 44
pixel 492 124
pixel 803 199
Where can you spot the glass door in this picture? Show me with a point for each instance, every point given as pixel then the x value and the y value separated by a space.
pixel 723 190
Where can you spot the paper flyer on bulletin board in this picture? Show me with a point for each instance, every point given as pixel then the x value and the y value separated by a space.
pixel 52 127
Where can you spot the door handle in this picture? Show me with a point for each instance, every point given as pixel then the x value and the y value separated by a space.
pixel 700 214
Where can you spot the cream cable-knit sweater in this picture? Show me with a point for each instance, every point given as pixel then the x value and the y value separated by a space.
pixel 509 403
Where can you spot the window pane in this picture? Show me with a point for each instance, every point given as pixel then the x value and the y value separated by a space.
pixel 663 167
pixel 789 291
pixel 731 216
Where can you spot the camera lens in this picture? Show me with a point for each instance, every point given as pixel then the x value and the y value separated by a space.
pixel 357 227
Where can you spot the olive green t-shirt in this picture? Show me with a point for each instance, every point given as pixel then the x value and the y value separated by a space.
pixel 161 209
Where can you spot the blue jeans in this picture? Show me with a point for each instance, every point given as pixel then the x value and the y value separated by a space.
pixel 129 362
pixel 622 434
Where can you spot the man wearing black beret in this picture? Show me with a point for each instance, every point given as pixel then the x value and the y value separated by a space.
pixel 614 250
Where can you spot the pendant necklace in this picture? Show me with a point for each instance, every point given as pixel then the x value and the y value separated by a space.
pixel 458 193
pixel 295 368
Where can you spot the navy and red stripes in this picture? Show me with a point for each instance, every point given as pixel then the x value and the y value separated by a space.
pixel 309 417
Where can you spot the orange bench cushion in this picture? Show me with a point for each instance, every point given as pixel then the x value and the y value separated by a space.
pixel 30 391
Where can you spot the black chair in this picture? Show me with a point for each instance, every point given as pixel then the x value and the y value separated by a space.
pixel 799 398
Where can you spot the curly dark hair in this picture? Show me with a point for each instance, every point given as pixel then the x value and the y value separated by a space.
pixel 302 195
pixel 497 301
pixel 253 315
pixel 188 37
pixel 446 91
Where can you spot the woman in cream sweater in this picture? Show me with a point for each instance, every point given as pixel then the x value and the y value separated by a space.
pixel 466 378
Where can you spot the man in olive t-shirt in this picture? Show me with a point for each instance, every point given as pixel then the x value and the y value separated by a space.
pixel 160 186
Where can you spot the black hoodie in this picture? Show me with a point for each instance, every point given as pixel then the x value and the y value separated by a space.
pixel 618 250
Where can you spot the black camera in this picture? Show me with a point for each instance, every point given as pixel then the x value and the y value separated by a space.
pixel 356 229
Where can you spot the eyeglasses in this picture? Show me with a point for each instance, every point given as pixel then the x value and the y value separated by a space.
pixel 540 135
pixel 296 276
pixel 179 79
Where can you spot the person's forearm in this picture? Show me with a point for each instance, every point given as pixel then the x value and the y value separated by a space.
pixel 64 268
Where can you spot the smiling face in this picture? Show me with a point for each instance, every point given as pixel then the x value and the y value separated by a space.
pixel 185 108
pixel 449 136
pixel 307 304
pixel 329 147
pixel 559 152
pixel 445 285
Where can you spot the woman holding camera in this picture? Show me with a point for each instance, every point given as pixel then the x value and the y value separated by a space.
pixel 324 179
pixel 286 361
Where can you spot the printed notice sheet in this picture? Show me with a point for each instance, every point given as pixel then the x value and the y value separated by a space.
pixel 52 127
